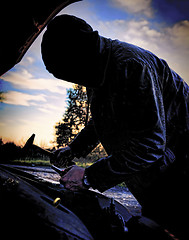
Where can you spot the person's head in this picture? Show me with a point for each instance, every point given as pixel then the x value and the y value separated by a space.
pixel 70 49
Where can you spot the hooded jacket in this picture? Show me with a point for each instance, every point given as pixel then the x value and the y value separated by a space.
pixel 139 114
pixel 139 106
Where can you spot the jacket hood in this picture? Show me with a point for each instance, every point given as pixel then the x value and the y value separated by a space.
pixel 73 51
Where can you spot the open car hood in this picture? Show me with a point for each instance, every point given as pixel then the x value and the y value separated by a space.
pixel 20 24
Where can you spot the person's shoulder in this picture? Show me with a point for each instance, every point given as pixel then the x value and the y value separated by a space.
pixel 126 52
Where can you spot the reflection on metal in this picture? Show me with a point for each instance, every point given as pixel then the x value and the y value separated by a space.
pixel 56 202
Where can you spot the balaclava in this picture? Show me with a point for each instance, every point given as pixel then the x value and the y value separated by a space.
pixel 70 50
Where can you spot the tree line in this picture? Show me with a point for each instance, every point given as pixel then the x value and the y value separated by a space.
pixel 66 129
pixel 74 119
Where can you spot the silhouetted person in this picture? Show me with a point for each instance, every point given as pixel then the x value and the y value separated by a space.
pixel 140 114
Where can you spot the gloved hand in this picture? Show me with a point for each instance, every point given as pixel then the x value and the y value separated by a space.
pixel 63 157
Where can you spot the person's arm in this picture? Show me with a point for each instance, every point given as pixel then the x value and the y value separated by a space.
pixel 81 146
pixel 146 137
pixel 85 141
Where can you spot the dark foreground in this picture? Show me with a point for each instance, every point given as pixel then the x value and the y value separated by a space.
pixel 121 194
pixel 40 208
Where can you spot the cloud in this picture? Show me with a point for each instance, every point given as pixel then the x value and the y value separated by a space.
pixel 24 80
pixel 51 108
pixel 179 34
pixel 40 104
pixel 138 32
pixel 169 43
pixel 133 31
pixel 23 99
pixel 135 6
pixel 27 61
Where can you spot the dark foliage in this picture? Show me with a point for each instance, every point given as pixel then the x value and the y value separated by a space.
pixel 74 120
pixel 74 117
pixel 9 151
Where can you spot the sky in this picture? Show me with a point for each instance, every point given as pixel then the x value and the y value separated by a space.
pixel 35 101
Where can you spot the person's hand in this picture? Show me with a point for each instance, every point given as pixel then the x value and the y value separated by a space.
pixel 73 179
pixel 62 157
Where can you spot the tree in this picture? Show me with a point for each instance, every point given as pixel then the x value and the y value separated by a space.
pixel 1 96
pixel 74 117
pixel 9 151
pixel 1 93
pixel 74 120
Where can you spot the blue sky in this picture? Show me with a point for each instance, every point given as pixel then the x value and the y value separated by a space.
pixel 35 101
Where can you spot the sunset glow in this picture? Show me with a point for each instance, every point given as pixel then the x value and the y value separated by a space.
pixel 35 101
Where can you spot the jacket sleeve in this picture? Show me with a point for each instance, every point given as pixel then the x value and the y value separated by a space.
pixel 145 139
pixel 85 141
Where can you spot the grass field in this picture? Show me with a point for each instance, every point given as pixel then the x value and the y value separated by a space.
pixel 36 162
pixel 41 162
